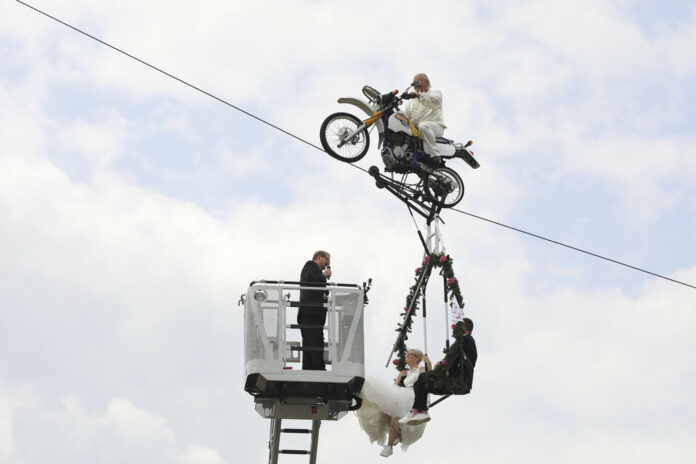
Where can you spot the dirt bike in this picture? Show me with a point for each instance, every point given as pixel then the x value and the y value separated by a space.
pixel 346 138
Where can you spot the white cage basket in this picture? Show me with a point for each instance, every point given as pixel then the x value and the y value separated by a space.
pixel 273 351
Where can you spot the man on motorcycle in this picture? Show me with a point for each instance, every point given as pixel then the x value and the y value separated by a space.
pixel 425 111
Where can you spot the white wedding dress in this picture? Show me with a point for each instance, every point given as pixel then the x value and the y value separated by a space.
pixel 381 396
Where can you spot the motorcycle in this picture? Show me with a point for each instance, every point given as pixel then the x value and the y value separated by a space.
pixel 347 138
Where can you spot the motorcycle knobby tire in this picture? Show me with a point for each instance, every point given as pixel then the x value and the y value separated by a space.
pixel 353 123
pixel 432 188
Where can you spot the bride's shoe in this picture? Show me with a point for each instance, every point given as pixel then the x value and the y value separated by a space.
pixel 387 451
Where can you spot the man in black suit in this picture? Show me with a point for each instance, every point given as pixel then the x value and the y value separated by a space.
pixel 419 413
pixel 312 311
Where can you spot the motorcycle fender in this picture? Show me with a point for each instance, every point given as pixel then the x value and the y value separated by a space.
pixel 365 107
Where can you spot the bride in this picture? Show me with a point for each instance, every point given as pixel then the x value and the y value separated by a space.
pixel 385 403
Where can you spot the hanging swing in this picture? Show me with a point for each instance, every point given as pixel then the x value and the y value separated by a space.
pixel 454 374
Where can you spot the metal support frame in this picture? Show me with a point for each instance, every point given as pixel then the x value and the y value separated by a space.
pixel 274 441
pixel 429 210
pixel 281 394
pixel 433 237
pixel 422 281
pixel 435 245
pixel 432 244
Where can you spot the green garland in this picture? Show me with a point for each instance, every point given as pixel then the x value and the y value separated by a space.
pixel 439 378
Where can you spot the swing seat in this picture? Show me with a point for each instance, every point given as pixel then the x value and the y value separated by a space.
pixel 460 387
pixel 463 389
pixel 458 382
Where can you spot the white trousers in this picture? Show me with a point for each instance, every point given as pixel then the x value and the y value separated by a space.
pixel 429 130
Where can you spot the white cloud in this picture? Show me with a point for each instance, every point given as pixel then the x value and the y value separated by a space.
pixel 118 293
pixel 7 445
pixel 100 142
pixel 74 433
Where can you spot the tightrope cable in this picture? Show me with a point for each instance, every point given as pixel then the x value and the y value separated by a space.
pixel 225 102
pixel 169 75
pixel 572 247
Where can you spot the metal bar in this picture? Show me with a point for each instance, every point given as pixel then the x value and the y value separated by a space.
pixel 304 284
pixel 425 329
pixel 282 335
pixel 360 128
pixel 425 324
pixel 439 400
pixel 348 345
pixel 447 327
pixel 315 441
pixel 411 202
pixel 421 280
pixel 425 245
pixel 419 207
pixel 274 441
pixel 434 213
pixel 331 333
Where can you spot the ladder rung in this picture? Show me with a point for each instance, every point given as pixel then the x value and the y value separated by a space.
pixel 294 452
pixel 296 430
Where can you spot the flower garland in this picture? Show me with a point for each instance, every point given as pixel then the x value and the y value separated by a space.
pixel 453 292
pixel 445 377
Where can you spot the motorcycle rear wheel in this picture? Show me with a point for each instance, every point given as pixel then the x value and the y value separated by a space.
pixel 445 187
pixel 334 130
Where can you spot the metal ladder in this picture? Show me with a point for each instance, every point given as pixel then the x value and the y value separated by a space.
pixel 274 441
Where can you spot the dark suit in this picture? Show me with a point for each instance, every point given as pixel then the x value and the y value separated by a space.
pixel 312 312
pixel 467 348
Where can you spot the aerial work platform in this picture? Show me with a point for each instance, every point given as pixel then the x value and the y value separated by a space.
pixel 273 357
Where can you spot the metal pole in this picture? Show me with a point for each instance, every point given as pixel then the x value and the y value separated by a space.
pixel 447 327
pixel 274 441
pixel 315 441
pixel 425 325
pixel 402 332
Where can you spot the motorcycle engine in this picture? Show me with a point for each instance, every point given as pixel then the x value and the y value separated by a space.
pixel 402 153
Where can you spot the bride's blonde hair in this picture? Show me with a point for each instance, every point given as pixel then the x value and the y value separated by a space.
pixel 417 353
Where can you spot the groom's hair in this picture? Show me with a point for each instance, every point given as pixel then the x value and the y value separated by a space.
pixel 468 324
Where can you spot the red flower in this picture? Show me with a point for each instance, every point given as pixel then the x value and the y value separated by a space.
pixel 418 270
pixel 395 362
pixel 454 326
pixel 443 362
pixel 443 258
pixel 405 308
pixel 451 281
pixel 427 259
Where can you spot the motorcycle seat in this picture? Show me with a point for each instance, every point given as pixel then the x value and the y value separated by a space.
pixel 444 140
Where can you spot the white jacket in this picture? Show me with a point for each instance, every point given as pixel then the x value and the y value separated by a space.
pixel 427 107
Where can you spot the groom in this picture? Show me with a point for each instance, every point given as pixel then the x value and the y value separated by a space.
pixel 419 413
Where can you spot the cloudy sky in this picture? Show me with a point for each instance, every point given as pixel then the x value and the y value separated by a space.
pixel 134 211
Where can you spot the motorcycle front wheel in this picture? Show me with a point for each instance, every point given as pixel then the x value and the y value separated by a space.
pixel 445 187
pixel 334 132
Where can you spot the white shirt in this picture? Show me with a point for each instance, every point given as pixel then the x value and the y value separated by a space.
pixel 411 378
pixel 427 107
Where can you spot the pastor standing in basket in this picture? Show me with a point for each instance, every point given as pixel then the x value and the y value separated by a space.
pixel 312 311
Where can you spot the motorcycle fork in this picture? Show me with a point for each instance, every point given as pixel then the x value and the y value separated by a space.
pixel 366 123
